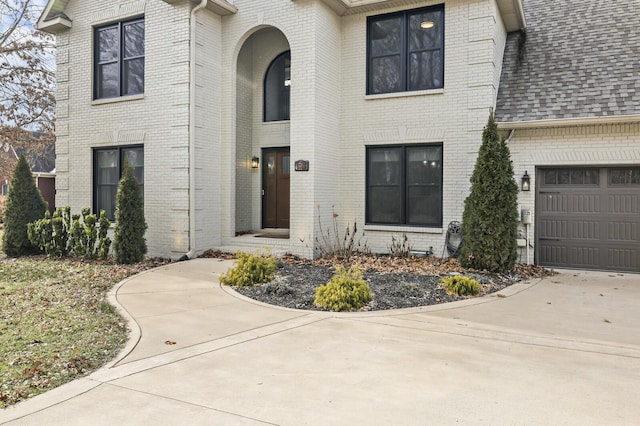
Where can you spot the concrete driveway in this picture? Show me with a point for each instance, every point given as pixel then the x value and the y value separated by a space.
pixel 559 351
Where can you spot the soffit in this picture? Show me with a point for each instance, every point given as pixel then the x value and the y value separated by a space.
pixel 53 19
pixel 511 10
pixel 220 7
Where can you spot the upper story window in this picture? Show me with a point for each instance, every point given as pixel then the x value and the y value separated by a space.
pixel 405 51
pixel 119 59
pixel 277 87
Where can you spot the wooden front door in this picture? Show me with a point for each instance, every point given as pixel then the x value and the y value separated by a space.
pixel 275 187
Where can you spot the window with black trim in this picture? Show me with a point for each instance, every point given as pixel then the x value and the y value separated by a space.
pixel 404 185
pixel 405 51
pixel 107 170
pixel 277 88
pixel 119 59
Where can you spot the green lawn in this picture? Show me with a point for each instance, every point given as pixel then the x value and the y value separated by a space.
pixel 55 324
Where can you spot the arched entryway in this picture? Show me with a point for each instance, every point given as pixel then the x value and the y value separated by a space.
pixel 262 132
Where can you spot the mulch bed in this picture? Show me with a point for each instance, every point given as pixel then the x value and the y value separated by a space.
pixel 395 282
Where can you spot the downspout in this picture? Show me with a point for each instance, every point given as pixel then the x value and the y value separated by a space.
pixel 192 130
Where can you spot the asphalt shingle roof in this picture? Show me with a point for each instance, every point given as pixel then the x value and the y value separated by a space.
pixel 578 59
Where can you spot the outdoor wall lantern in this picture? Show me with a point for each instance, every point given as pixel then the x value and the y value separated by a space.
pixel 255 162
pixel 526 181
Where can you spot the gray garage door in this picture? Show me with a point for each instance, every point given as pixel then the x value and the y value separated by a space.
pixel 588 218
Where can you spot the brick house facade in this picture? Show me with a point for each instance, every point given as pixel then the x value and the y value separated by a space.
pixel 353 88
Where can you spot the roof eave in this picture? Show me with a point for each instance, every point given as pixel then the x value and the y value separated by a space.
pixel 54 25
pixel 512 14
pixel 568 122
pixel 53 20
pixel 220 7
pixel 511 10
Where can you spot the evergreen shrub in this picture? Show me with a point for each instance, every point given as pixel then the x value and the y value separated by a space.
pixel 251 269
pixel 490 218
pixel 24 205
pixel 461 286
pixel 65 234
pixel 345 291
pixel 129 243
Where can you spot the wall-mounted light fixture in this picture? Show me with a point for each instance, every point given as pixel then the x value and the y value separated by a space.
pixel 255 162
pixel 526 181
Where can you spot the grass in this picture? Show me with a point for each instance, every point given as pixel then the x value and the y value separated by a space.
pixel 55 324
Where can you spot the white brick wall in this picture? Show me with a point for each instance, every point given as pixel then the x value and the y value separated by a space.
pixel 159 119
pixel 332 120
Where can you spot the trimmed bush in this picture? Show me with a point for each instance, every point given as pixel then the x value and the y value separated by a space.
pixel 65 234
pixel 461 286
pixel 345 291
pixel 24 205
pixel 251 269
pixel 129 243
pixel 490 218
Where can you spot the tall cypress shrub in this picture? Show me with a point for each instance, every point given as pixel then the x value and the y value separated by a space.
pixel 129 243
pixel 24 205
pixel 490 218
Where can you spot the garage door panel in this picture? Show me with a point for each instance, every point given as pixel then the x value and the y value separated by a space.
pixel 585 230
pixel 554 203
pixel 624 259
pixel 623 231
pixel 553 228
pixel 584 257
pixel 587 218
pixel 553 254
pixel 623 204
pixel 585 204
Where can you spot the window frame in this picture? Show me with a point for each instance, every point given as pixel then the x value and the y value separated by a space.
pixel 287 115
pixel 120 158
pixel 404 185
pixel 405 49
pixel 122 60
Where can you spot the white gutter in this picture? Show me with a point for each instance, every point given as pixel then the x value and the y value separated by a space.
pixel 192 130
pixel 508 139
pixel 567 122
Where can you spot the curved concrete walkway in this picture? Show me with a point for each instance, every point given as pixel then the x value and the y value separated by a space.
pixel 564 350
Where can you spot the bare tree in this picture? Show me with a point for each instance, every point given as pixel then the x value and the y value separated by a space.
pixel 27 74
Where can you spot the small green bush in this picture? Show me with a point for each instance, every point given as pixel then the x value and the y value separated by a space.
pixel 346 291
pixel 64 234
pixel 461 286
pixel 251 269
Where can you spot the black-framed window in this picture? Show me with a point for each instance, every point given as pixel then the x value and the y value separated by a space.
pixel 107 170
pixel 405 51
pixel 119 59
pixel 277 88
pixel 404 185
